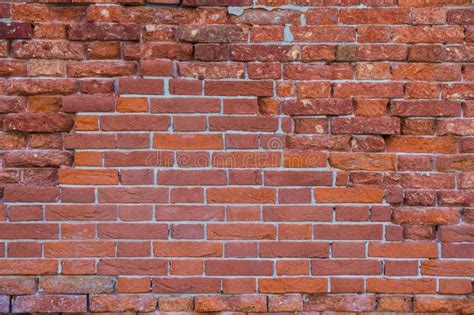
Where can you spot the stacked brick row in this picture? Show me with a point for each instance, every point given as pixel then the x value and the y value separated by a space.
pixel 266 156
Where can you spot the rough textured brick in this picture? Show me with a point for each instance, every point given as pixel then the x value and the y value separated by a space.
pixel 236 156
pixel 361 303
pixel 48 49
pixel 122 303
pixel 15 30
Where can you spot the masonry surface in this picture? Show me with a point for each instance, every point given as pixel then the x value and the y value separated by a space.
pixel 230 155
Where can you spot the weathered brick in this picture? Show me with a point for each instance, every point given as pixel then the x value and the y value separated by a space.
pixel 38 122
pixel 48 50
pixel 37 159
pixel 51 303
pixel 268 156
pixel 15 30
pixel 122 303
pixel 341 303
pixel 220 304
pixel 95 31
pixel 371 125
pixel 210 33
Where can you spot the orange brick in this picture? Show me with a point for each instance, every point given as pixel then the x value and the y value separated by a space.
pixel 88 177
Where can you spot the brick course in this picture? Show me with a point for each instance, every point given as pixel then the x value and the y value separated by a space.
pixel 236 156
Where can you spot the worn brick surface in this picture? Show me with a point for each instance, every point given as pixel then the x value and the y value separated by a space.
pixel 236 156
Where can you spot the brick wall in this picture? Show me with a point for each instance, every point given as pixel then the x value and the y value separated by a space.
pixel 237 155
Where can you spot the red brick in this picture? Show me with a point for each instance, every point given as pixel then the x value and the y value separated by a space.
pixel 49 303
pixel 374 16
pixel 122 303
pixel 394 304
pixel 373 34
pixel 238 268
pixel 292 285
pixel 421 144
pixel 296 178
pixel 292 267
pixel 241 195
pixel 173 304
pixel 267 53
pixel 318 53
pixel 323 33
pixel 78 267
pixel 48 49
pixel 156 67
pixel 17 285
pixel 188 142
pixel 38 122
pixel 426 72
pixel 24 249
pixel 132 231
pixel 293 249
pixel 80 213
pixel 238 88
pixel 342 195
pixel 211 70
pixel 240 231
pixel 243 123
pixel 185 87
pixel 348 250
pixel 346 267
pixel 347 232
pixel 189 213
pixel 455 286
pixel 403 250
pixel 367 90
pixel 79 249
pixel 317 72
pixel 133 285
pixel 420 108
pixel 241 303
pixel 186 249
pixel 264 17
pixel 337 143
pixel 210 33
pixel 15 30
pixel 88 177
pixel 386 285
pixel 457 268
pixel 76 285
pixel 285 303
pixel 429 15
pixel 442 304
pixel 220 149
pixel 347 285
pixel 317 107
pixel 92 31
pixel 31 194
pixel 426 216
pixel 185 105
pixel 341 303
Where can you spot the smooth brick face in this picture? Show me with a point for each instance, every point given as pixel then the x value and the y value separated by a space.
pixel 236 156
